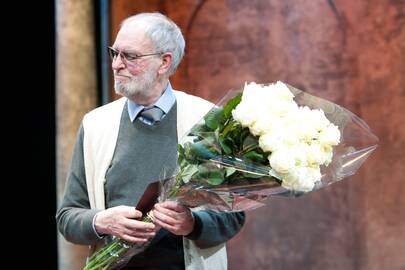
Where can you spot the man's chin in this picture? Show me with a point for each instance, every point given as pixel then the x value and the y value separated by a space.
pixel 124 92
pixel 119 90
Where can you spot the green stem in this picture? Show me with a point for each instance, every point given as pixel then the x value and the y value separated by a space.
pixel 173 191
pixel 228 126
pixel 109 254
pixel 247 149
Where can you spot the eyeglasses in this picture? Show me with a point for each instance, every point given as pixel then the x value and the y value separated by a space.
pixel 127 56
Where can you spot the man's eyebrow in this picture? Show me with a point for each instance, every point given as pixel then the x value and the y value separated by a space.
pixel 125 50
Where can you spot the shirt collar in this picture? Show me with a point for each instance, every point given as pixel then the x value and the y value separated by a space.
pixel 165 102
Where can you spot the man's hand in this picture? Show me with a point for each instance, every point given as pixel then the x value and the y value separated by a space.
pixel 122 222
pixel 173 217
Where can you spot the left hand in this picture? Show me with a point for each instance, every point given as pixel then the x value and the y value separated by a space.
pixel 174 217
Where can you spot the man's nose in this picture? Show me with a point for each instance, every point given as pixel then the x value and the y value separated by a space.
pixel 118 62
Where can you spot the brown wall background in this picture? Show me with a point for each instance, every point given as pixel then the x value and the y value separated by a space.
pixel 349 52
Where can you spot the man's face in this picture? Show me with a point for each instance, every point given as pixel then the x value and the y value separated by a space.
pixel 134 76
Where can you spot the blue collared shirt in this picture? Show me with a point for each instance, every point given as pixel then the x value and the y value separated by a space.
pixel 165 102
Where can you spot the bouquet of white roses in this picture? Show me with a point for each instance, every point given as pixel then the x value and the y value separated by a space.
pixel 261 141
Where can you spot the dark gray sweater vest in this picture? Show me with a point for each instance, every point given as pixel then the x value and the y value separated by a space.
pixel 143 154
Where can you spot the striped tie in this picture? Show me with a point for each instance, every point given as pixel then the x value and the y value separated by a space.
pixel 151 116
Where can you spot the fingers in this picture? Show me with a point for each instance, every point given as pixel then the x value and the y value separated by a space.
pixel 175 229
pixel 136 225
pixel 174 218
pixel 137 236
pixel 165 216
pixel 134 235
pixel 171 212
pixel 141 234
pixel 172 205
pixel 134 240
pixel 123 222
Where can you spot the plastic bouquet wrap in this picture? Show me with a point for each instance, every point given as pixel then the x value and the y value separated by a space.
pixel 260 141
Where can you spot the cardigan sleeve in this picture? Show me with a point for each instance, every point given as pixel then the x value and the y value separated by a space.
pixel 74 216
pixel 213 228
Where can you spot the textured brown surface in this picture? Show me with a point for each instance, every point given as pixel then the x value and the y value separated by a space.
pixel 75 95
pixel 350 52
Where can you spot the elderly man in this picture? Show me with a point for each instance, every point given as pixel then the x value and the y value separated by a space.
pixel 123 146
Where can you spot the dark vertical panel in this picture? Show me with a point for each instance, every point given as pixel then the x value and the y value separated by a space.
pixel 103 19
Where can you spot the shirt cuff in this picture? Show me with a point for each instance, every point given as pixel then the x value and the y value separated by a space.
pixel 94 228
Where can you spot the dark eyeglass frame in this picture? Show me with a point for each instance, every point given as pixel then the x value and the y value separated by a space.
pixel 113 53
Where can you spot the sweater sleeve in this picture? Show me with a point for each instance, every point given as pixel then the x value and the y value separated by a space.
pixel 213 228
pixel 74 216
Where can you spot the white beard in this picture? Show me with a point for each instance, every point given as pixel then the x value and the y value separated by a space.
pixel 139 85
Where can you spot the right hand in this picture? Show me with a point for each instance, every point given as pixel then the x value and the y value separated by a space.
pixel 123 222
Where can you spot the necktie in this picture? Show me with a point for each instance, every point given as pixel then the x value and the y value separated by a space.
pixel 151 115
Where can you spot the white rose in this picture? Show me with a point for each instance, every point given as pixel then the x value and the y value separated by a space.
pixel 266 123
pixel 301 155
pixel 315 155
pixel 281 108
pixel 281 91
pixel 330 136
pixel 266 94
pixel 253 94
pixel 290 139
pixel 245 115
pixel 306 133
pixel 319 120
pixel 270 142
pixel 259 127
pixel 301 179
pixel 281 161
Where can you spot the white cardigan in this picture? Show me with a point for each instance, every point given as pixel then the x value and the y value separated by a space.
pixel 100 137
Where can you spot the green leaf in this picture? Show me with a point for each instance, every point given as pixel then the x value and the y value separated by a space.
pixel 214 117
pixel 230 137
pixel 223 142
pixel 187 150
pixel 227 128
pixel 209 173
pixel 215 179
pixel 181 157
pixel 180 150
pixel 202 151
pixel 232 105
pixel 255 156
pixel 188 172
pixel 199 128
pixel 250 142
pixel 233 137
pixel 243 135
pixel 229 171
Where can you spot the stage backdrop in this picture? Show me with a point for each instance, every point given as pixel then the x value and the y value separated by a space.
pixel 350 52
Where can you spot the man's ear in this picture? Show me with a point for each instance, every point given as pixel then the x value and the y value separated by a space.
pixel 167 60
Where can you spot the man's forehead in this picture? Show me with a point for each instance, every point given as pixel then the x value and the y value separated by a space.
pixel 132 36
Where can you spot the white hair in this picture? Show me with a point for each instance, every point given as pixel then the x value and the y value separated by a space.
pixel 166 36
